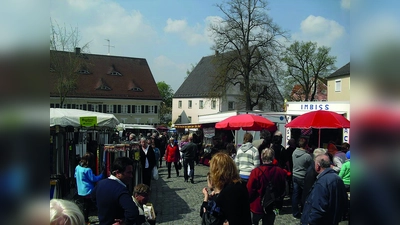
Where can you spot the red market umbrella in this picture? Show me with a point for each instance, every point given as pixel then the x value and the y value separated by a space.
pixel 246 122
pixel 319 119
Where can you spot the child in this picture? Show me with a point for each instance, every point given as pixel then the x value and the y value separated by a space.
pixel 209 211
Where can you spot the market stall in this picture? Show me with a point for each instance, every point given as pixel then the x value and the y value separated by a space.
pixel 74 132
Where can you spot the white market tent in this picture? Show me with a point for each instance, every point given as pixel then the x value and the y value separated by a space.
pixel 71 117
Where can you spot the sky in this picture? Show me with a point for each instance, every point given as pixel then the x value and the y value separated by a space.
pixel 173 36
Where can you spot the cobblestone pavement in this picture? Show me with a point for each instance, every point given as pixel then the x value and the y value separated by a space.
pixel 178 203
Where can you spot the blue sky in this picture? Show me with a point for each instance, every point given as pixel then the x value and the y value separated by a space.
pixel 172 35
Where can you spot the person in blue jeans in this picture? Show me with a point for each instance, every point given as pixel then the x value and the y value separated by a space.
pixel 301 161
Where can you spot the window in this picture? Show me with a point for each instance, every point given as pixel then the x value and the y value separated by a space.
pixel 84 71
pixel 180 104
pixel 241 87
pixel 190 119
pixel 110 109
pixel 213 104
pixel 190 104
pixel 136 89
pixel 51 105
pixel 151 109
pixel 115 73
pixel 201 104
pixel 231 105
pixel 179 119
pixel 124 109
pixel 338 85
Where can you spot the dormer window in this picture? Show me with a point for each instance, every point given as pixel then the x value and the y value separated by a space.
pixel 104 88
pixel 115 73
pixel 136 89
pixel 84 71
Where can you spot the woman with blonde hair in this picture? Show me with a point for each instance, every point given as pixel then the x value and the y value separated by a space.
pixel 65 212
pixel 233 198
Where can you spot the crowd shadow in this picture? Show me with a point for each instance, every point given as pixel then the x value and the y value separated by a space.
pixel 168 204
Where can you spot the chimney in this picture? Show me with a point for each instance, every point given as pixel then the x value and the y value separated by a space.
pixel 77 50
pixel 216 52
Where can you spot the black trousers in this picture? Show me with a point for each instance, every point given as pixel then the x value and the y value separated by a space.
pixel 147 173
pixel 187 162
pixel 169 164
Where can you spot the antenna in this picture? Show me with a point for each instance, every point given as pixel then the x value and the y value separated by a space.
pixel 108 40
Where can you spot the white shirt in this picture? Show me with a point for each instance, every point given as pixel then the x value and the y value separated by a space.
pixel 145 150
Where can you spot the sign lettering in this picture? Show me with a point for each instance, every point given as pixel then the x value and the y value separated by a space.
pixel 88 121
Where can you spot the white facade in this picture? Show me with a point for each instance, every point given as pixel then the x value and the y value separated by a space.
pixel 149 116
pixel 187 110
pixel 299 108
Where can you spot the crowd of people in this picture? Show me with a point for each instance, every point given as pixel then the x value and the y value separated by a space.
pixel 317 181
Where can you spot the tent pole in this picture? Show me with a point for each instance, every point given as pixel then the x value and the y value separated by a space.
pixel 319 138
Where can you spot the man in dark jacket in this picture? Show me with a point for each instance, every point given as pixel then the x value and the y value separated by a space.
pixel 148 161
pixel 112 197
pixel 327 201
pixel 188 154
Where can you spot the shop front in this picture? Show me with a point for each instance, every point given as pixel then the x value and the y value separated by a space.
pixel 339 136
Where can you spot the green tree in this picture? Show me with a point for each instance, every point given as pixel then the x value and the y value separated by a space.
pixel 247 43
pixel 166 106
pixel 65 62
pixel 306 64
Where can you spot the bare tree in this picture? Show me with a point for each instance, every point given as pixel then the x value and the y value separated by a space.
pixel 248 41
pixel 66 59
pixel 306 65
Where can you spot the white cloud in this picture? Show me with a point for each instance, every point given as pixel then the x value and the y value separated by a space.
pixel 100 20
pixel 345 4
pixel 321 30
pixel 175 26
pixel 191 35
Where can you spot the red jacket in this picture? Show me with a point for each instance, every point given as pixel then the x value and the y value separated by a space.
pixel 172 153
pixel 257 183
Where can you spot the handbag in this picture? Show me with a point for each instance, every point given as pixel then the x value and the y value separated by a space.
pixel 154 173
pixel 179 165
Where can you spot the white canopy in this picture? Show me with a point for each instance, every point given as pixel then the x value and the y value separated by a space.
pixel 71 117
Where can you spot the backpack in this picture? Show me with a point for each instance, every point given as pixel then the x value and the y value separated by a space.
pixel 270 196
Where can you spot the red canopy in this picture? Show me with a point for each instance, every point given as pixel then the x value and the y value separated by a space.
pixel 246 122
pixel 319 119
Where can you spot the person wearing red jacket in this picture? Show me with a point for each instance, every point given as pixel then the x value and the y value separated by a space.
pixel 257 183
pixel 172 155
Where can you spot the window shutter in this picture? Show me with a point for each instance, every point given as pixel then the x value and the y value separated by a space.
pixel 129 109
pixel 119 108
pixel 147 109
pixel 155 109
pixel 142 108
